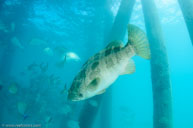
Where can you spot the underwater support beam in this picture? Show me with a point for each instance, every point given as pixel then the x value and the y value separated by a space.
pixel 187 10
pixel 122 18
pixel 105 116
pixel 117 32
pixel 161 85
pixel 88 113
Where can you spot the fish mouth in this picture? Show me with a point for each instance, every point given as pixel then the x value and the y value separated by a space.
pixel 72 97
pixel 74 100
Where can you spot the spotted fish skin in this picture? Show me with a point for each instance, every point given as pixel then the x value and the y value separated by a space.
pixel 101 70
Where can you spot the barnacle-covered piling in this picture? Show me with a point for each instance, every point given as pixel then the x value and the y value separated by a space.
pixel 162 98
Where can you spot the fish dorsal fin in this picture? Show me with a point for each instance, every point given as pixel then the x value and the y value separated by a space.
pixel 130 68
pixel 115 43
pixel 101 92
pixel 93 84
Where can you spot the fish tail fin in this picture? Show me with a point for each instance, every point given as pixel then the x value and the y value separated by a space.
pixel 138 41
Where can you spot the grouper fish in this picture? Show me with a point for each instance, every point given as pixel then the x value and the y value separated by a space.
pixel 102 69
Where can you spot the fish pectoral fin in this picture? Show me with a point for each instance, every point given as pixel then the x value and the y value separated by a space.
pixel 115 43
pixel 101 92
pixel 130 68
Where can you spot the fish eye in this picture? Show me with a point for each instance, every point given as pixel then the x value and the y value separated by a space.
pixel 80 95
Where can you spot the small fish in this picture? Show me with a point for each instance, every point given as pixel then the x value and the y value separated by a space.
pixel 48 51
pixel 15 41
pixel 32 66
pixel 72 56
pixel 102 69
pixel 13 88
pixel 22 106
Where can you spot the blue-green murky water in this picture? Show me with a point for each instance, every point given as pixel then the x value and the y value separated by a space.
pixel 44 43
